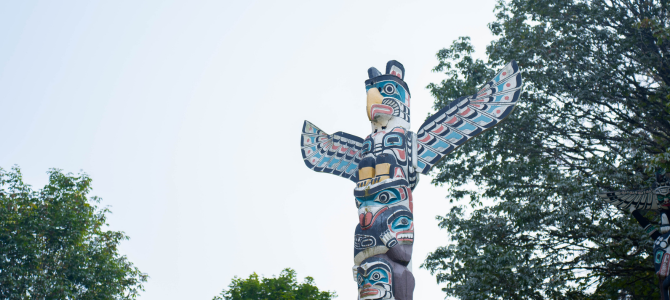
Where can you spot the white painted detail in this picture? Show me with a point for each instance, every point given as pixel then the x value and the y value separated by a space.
pixel 415 148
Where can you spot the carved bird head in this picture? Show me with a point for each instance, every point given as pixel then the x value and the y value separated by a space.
pixel 388 97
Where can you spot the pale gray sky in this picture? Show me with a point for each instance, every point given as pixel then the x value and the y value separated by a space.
pixel 187 115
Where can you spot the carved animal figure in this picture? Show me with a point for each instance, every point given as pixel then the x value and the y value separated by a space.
pixel 386 165
pixel 656 199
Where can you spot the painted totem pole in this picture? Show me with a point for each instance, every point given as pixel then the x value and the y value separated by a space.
pixel 386 165
pixel 656 199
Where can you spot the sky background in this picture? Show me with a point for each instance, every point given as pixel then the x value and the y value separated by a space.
pixel 187 116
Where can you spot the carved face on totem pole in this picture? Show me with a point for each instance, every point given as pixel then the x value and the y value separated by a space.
pixel 388 97
pixel 375 279
pixel 386 165
pixel 661 255
pixel 391 234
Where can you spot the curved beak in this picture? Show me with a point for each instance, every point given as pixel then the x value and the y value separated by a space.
pixel 374 97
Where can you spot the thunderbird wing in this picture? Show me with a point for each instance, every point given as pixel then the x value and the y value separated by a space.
pixel 638 200
pixel 337 153
pixel 467 117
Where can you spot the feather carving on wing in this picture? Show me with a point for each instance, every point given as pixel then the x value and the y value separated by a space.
pixel 337 153
pixel 467 117
pixel 632 200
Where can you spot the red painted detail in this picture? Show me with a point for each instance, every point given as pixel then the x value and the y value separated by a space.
pixel 497 111
pixel 504 73
pixel 379 109
pixel 399 173
pixel 352 152
pixel 401 154
pixel 439 130
pixel 367 219
pixel 398 130
pixel 407 97
pixel 426 139
pixel 368 292
pixel 465 112
pixel 403 196
pixel 411 201
pixel 506 97
pixel 452 120
pixel 508 85
pixel 334 148
pixel 411 230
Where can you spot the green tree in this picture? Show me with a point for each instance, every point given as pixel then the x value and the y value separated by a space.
pixel 284 287
pixel 53 245
pixel 594 115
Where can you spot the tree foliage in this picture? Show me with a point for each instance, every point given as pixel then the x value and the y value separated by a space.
pixel 285 287
pixel 594 115
pixel 53 245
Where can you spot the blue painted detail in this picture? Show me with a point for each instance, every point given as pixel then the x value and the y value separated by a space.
pixel 397 142
pixel 428 155
pixel 323 162
pixel 402 223
pixel 341 166
pixel 440 146
pixel 454 136
pixel 467 127
pixel 482 119
pixel 317 156
pixel 381 198
pixel 333 161
pixel 353 166
pixel 498 98
pixel 492 109
pixel 313 149
pixel 399 93
pixel 377 275
pixel 367 146
pixel 421 165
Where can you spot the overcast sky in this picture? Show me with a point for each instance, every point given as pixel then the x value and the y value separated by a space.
pixel 187 115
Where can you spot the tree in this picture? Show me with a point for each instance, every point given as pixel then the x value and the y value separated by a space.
pixel 285 287
pixel 594 115
pixel 53 245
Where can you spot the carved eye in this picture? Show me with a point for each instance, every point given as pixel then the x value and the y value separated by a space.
pixel 367 146
pixel 389 89
pixel 376 276
pixel 401 223
pixel 385 197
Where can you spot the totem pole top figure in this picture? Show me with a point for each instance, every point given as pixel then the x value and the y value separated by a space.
pixel 387 163
pixel 388 107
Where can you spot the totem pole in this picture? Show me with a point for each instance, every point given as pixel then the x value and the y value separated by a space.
pixel 656 199
pixel 386 165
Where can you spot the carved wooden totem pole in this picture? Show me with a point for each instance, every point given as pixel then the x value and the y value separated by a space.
pixel 386 165
pixel 655 199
